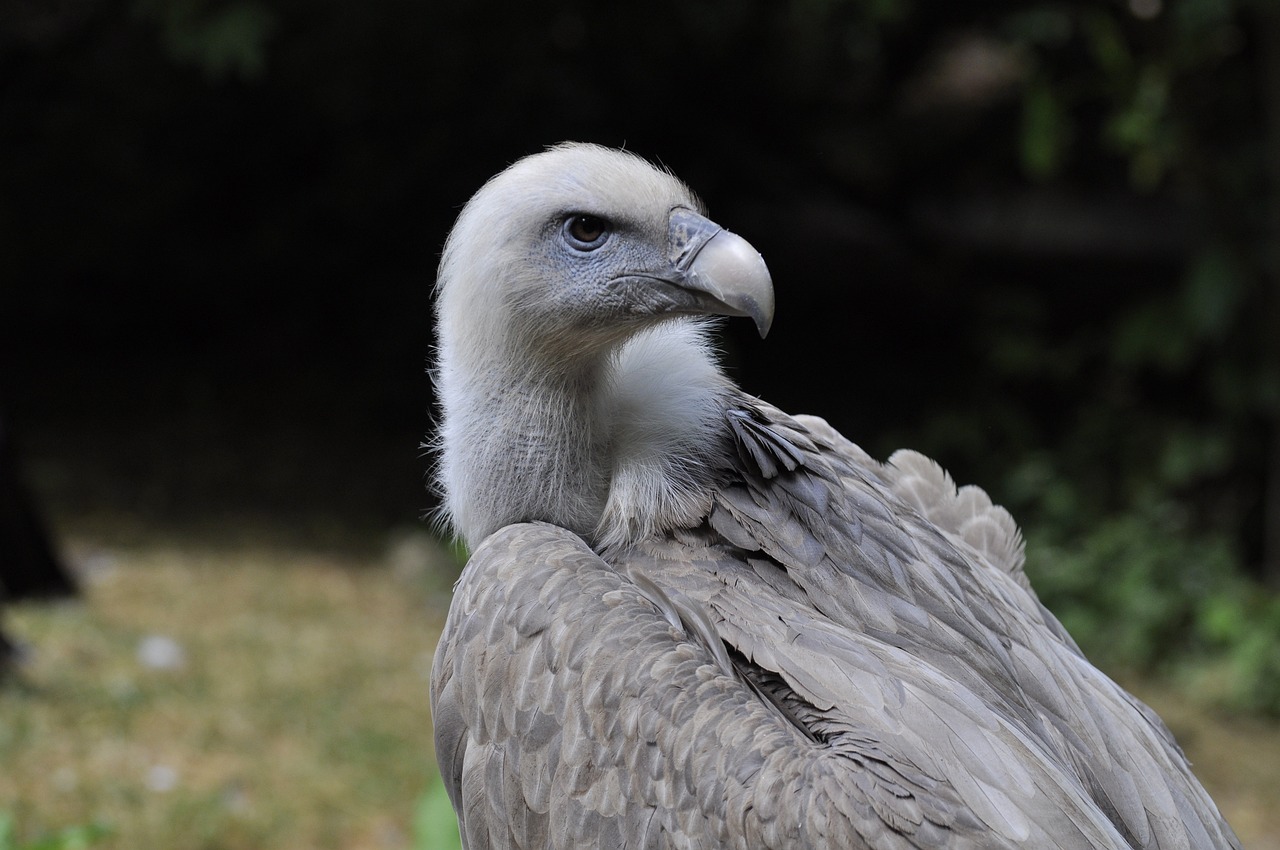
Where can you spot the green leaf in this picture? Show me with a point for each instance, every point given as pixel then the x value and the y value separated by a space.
pixel 226 41
pixel 1141 128
pixel 1212 292
pixel 1107 44
pixel 1045 131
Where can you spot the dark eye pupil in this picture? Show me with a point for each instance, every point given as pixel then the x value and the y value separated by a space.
pixel 586 228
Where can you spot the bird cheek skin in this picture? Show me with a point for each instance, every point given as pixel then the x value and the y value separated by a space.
pixel 645 297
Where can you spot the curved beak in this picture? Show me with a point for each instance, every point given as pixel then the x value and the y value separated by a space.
pixel 723 265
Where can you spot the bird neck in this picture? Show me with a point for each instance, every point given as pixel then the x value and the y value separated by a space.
pixel 522 443
pixel 614 448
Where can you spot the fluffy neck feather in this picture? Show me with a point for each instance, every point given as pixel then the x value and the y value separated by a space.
pixel 615 449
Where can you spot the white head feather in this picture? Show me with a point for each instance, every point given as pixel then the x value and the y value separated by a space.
pixel 561 402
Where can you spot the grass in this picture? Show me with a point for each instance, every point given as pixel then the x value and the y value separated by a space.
pixel 289 706
pixel 291 710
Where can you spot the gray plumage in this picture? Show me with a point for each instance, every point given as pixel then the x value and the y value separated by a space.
pixel 691 620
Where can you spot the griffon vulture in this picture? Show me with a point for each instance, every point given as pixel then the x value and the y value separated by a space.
pixel 691 620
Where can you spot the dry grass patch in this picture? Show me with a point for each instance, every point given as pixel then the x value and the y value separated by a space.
pixel 247 698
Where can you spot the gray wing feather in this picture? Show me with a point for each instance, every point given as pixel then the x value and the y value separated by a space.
pixel 966 513
pixel 846 655
pixel 648 742
pixel 896 558
pixel 869 698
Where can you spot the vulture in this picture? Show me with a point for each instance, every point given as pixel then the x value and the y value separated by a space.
pixel 690 620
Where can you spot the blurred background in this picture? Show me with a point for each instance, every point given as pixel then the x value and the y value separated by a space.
pixel 1039 241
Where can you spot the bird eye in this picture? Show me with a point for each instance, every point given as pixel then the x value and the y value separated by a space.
pixel 586 232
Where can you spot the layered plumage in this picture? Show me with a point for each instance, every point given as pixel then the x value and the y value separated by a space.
pixel 691 620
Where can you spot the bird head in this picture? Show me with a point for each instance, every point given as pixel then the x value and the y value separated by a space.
pixel 573 250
